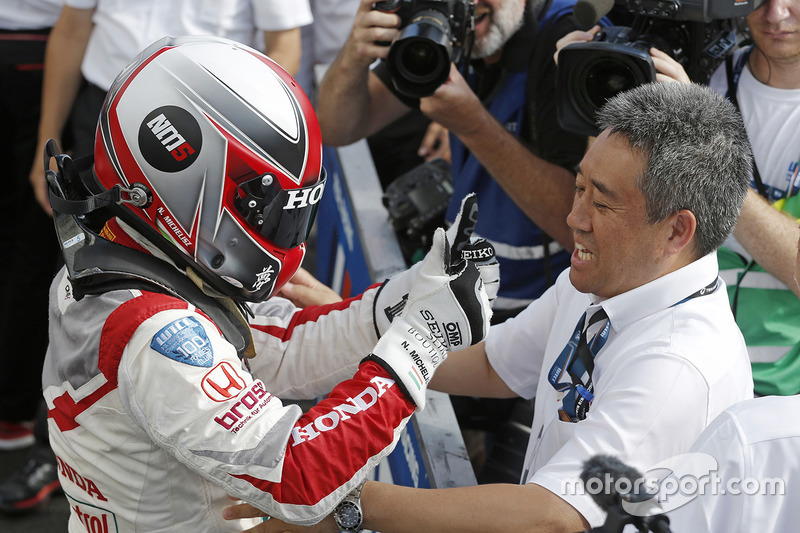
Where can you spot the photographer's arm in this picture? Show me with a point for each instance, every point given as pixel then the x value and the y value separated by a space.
pixel 667 69
pixel 543 190
pixel 770 236
pixel 353 103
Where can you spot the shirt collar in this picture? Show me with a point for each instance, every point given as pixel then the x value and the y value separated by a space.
pixel 659 294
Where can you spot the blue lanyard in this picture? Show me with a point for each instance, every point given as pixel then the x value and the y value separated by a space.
pixel 576 361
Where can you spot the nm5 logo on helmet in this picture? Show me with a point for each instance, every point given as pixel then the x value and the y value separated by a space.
pixel 230 148
pixel 170 139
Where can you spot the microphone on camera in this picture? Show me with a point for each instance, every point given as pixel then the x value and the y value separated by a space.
pixel 588 12
pixel 602 476
pixel 608 471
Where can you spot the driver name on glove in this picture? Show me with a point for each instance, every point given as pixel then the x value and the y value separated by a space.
pixel 445 310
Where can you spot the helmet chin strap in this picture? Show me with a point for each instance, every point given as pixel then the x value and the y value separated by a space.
pixel 229 304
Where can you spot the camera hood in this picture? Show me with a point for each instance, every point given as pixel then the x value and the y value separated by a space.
pixel 419 58
pixel 590 73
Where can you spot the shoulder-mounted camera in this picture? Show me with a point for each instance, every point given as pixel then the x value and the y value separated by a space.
pixel 698 34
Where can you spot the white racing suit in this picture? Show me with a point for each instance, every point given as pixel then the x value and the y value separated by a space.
pixel 155 420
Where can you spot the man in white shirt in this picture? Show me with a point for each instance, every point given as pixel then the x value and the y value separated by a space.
pixel 755 445
pixel 656 194
pixel 757 261
pixel 94 39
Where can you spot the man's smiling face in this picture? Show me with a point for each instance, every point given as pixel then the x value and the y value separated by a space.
pixel 616 249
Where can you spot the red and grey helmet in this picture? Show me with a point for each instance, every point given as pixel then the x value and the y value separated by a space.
pixel 229 148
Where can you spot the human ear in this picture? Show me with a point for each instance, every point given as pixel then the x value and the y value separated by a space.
pixel 683 225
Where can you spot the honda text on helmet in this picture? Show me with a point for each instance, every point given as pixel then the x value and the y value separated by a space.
pixel 232 169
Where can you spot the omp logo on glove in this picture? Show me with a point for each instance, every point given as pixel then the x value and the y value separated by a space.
pixel 447 333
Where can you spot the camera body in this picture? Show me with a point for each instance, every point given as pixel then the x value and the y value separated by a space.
pixel 433 34
pixel 698 34
pixel 417 202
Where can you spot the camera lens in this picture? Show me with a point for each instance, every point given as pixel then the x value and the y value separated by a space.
pixel 419 59
pixel 419 62
pixel 606 78
pixel 601 71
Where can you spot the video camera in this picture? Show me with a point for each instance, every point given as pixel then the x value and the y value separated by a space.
pixel 696 33
pixel 433 34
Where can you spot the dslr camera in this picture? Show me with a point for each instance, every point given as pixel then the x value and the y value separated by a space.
pixel 696 33
pixel 417 202
pixel 433 34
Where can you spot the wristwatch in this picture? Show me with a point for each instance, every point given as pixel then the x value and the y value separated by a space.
pixel 348 515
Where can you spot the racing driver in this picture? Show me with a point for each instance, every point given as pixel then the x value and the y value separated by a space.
pixel 169 352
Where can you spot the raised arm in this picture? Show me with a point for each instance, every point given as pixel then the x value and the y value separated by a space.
pixel 542 189
pixel 770 236
pixel 352 103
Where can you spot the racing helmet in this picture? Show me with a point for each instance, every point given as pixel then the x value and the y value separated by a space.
pixel 227 151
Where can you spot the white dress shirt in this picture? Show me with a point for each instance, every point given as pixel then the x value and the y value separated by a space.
pixel 755 444
pixel 667 370
pixel 125 27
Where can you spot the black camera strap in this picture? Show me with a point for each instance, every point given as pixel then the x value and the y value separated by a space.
pixel 733 73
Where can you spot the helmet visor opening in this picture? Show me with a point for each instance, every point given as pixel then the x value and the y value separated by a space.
pixel 282 216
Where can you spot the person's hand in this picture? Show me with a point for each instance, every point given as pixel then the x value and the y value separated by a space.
pixel 304 290
pixel 392 296
pixel 447 308
pixel 273 525
pixel 38 181
pixel 477 250
pixel 372 33
pixel 576 36
pixel 435 144
pixel 454 105
pixel 667 69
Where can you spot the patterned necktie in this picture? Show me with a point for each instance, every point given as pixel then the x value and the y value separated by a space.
pixel 571 373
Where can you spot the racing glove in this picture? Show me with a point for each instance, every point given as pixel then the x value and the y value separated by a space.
pixel 392 295
pixel 447 308
pixel 474 249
